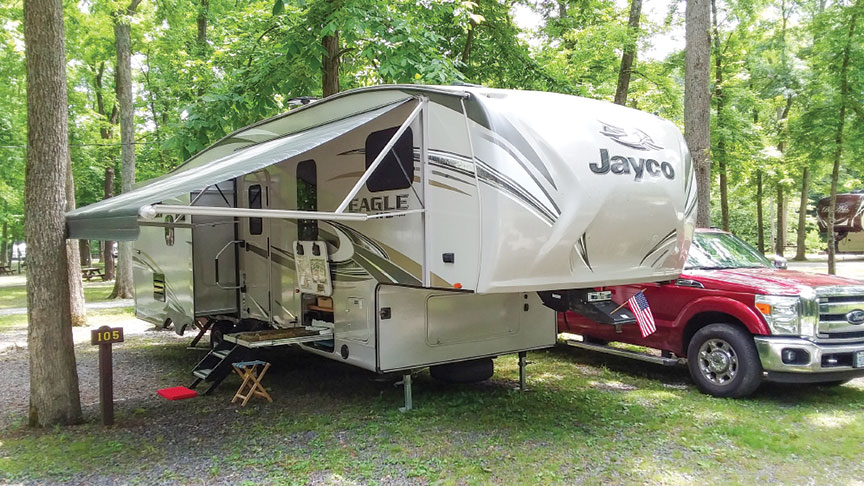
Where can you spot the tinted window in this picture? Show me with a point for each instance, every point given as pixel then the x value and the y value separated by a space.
pixel 256 225
pixel 723 250
pixel 397 169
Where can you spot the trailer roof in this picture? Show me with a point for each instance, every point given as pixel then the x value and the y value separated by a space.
pixel 116 219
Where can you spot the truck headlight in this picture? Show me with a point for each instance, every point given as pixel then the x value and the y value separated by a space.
pixel 781 312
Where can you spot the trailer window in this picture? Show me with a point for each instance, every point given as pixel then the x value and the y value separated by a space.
pixel 397 169
pixel 307 199
pixel 256 225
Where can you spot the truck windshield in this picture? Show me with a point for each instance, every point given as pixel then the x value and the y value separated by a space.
pixel 722 250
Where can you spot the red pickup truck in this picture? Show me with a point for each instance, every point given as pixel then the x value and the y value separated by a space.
pixel 737 320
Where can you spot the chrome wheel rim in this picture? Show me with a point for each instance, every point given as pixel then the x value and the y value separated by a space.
pixel 718 361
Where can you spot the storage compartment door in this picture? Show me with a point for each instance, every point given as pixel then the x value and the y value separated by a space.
pixel 162 273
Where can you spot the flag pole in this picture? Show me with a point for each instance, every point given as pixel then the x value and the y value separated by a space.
pixel 625 302
pixel 619 307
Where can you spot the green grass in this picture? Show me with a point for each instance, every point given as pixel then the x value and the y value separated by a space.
pixel 586 420
pixel 16 296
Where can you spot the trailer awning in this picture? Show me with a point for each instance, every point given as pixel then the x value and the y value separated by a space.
pixel 116 219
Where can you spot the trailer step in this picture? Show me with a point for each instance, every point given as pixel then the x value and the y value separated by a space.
pixel 203 374
pixel 216 365
pixel 602 348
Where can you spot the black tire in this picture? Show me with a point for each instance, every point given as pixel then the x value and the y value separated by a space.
pixel 464 371
pixel 218 332
pixel 723 361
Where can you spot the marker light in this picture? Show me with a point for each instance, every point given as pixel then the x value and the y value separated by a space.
pixel 147 212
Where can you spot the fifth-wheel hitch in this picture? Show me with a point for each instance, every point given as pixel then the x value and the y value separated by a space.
pixel 593 304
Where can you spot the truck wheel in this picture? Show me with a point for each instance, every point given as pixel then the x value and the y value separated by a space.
pixel 464 371
pixel 723 361
pixel 218 332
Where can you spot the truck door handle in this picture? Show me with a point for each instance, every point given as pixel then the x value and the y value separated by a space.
pixel 686 282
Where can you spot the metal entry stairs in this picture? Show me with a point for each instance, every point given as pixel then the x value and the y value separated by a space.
pixel 217 364
pixel 237 347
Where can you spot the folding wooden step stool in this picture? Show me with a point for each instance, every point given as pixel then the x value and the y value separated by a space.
pixel 251 386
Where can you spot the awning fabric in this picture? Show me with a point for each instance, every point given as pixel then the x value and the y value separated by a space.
pixel 116 219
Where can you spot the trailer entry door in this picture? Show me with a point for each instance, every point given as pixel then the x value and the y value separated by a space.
pixel 255 298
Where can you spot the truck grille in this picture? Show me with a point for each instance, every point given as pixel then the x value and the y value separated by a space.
pixel 834 305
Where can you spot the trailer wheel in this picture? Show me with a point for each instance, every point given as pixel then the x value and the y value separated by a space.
pixel 723 361
pixel 464 371
pixel 218 332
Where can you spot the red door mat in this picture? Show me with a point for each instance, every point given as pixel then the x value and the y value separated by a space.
pixel 177 393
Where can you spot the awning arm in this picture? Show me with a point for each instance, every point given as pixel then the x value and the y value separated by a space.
pixel 150 212
pixel 359 185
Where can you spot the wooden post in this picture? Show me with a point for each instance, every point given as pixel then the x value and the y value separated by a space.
pixel 104 337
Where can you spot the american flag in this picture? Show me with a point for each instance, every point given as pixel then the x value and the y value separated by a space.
pixel 642 311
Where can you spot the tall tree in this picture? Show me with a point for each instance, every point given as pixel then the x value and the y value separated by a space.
pixel 629 53
pixel 331 57
pixel 78 312
pixel 697 102
pixel 108 246
pixel 54 395
pixel 801 246
pixel 720 155
pixel 760 222
pixel 123 80
pixel 839 138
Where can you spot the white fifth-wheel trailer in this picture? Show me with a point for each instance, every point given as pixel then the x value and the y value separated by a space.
pixel 401 227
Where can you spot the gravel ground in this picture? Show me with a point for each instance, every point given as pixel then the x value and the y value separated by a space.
pixel 184 442
pixel 133 378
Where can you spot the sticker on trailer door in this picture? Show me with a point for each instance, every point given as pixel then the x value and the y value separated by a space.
pixel 313 269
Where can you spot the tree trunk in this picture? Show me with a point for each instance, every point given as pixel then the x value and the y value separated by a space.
pixel 76 286
pixel 203 10
pixel 108 247
pixel 838 140
pixel 697 102
pixel 760 223
pixel 469 41
pixel 84 250
pixel 721 142
pixel 123 77
pixel 801 251
pixel 54 395
pixel 629 54
pixel 781 221
pixel 330 61
pixel 4 244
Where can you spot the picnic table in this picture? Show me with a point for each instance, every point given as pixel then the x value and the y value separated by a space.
pixel 91 272
pixel 6 270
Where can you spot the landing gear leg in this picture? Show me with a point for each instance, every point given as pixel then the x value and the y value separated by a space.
pixel 523 362
pixel 406 387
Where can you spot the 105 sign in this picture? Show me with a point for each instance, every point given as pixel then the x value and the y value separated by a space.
pixel 106 335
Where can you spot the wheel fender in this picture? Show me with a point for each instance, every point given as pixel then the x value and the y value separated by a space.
pixel 754 322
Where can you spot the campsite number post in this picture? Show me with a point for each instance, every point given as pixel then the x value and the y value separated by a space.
pixel 104 337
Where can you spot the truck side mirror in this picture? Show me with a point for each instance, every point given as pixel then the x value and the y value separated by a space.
pixel 780 262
